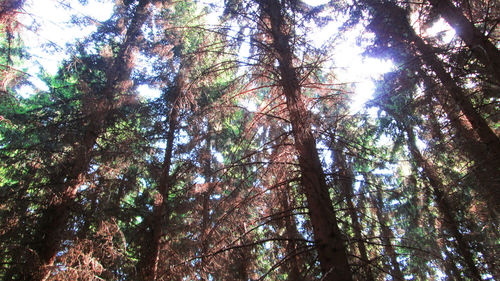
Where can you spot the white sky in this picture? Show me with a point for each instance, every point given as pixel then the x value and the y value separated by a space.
pixel 52 20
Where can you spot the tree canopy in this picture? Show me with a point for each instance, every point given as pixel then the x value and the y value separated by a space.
pixel 250 162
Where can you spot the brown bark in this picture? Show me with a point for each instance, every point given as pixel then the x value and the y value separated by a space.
pixel 148 263
pixel 51 226
pixel 346 181
pixel 330 245
pixel 387 234
pixel 400 29
pixel 484 50
pixel 444 206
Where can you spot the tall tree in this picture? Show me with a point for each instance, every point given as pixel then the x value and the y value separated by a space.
pixel 330 245
pixel 386 16
pixel 98 102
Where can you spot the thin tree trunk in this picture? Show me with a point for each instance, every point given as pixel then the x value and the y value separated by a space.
pixel 329 242
pixel 148 263
pixel 291 233
pixel 484 50
pixel 51 226
pixel 444 206
pixel 205 208
pixel 387 234
pixel 346 181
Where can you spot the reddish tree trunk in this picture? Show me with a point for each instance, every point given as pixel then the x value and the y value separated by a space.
pixel 346 181
pixel 330 245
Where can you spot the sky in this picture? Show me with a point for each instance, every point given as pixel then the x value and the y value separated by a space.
pixel 52 27
pixel 53 17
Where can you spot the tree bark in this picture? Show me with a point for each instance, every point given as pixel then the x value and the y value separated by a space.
pixel 346 181
pixel 51 226
pixel 444 206
pixel 400 29
pixel 330 244
pixel 484 50
pixel 148 263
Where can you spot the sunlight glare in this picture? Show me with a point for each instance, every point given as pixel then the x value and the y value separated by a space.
pixel 442 30
pixel 148 92
pixel 316 2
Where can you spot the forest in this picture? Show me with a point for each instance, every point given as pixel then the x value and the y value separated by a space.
pixel 250 163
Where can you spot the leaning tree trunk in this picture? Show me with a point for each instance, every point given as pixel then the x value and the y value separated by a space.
pixel 51 226
pixel 444 206
pixel 482 48
pixel 394 21
pixel 329 243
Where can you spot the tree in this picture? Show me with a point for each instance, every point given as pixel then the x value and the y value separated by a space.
pixel 100 96
pixel 487 144
pixel 250 164
pixel 478 43
pixel 329 243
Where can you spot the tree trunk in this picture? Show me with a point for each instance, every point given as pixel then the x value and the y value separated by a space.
pixel 484 50
pixel 51 226
pixel 387 234
pixel 291 234
pixel 205 229
pixel 346 181
pixel 330 245
pixel 444 206
pixel 148 263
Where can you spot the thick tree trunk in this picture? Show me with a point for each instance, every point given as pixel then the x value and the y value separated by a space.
pixel 330 245
pixel 51 226
pixel 346 181
pixel 484 50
